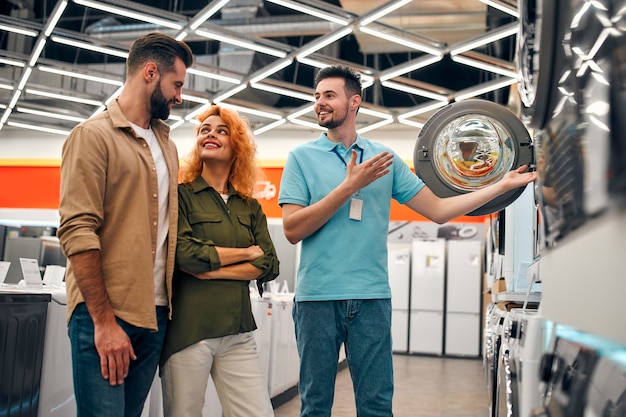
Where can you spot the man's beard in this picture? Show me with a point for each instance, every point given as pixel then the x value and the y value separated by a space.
pixel 332 122
pixel 159 104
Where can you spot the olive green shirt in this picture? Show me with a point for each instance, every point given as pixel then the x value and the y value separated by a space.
pixel 203 309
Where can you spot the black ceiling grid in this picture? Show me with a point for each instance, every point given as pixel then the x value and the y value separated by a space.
pixel 61 61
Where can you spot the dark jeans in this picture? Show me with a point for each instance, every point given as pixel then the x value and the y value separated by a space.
pixel 364 327
pixel 94 396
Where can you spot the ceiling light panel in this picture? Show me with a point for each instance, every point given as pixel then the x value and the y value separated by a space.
pixel 274 47
pixel 82 76
pixel 484 88
pixel 90 47
pixel 323 41
pixel 414 90
pixel 269 127
pixel 21 31
pixel 242 43
pixel 55 131
pixel 400 40
pixel 410 66
pixel 208 11
pixel 50 114
pixel 485 66
pixel 502 6
pixel 255 112
pixel 213 75
pixel 311 11
pixel 485 39
pixel 52 21
pixel 383 11
pixel 121 11
pixel 12 62
pixel 63 97
pixel 374 126
pixel 283 91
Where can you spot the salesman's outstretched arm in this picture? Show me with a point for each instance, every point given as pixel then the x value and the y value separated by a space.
pixel 441 210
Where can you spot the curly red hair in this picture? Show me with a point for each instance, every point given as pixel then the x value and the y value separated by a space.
pixel 243 173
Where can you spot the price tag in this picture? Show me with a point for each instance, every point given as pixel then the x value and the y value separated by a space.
pixel 30 272
pixel 4 270
pixel 54 274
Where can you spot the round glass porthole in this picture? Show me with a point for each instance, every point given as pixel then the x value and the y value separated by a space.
pixel 472 152
pixel 469 145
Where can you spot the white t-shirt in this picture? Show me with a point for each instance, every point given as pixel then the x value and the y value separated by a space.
pixel 160 259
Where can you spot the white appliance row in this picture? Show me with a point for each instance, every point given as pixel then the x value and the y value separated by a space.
pixel 275 340
pixel 436 296
pixel 535 367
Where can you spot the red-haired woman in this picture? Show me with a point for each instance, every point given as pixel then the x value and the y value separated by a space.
pixel 223 244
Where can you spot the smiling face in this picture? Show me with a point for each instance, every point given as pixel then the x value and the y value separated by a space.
pixel 213 140
pixel 331 103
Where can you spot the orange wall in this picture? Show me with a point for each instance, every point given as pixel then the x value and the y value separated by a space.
pixel 29 187
pixel 38 187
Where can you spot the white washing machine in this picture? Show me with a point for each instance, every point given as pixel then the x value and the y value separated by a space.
pixel 507 391
pixel 428 265
pixel 56 398
pixel 525 338
pixel 262 311
pixel 566 372
pixel 494 322
pixel 606 394
pixel 399 267
pixel 531 333
pixel 463 297
pixel 284 361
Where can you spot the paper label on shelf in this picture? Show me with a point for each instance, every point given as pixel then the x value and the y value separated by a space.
pixel 30 272
pixel 4 269
pixel 433 261
pixel 54 274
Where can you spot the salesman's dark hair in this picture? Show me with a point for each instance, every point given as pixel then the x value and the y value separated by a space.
pixel 352 78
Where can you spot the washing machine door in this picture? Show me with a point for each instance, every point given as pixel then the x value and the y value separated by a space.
pixel 539 55
pixel 507 398
pixel 469 145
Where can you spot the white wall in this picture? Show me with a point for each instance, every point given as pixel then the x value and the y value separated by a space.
pixel 272 145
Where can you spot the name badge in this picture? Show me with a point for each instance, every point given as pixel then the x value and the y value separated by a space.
pixel 356 207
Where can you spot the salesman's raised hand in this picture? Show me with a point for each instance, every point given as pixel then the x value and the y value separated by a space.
pixel 363 174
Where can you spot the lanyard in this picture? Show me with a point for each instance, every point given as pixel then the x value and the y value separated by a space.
pixel 356 203
pixel 343 160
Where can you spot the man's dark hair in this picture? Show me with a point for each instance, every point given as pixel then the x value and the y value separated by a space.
pixel 351 78
pixel 159 48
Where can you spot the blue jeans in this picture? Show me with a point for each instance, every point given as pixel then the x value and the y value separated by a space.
pixel 94 396
pixel 364 326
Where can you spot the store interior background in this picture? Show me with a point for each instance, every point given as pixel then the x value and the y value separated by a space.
pixel 440 53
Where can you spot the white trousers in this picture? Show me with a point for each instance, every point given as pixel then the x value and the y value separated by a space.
pixel 234 364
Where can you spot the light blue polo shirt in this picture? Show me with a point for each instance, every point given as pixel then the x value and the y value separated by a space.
pixel 344 259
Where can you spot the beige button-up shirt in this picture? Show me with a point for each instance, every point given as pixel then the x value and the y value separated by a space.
pixel 108 184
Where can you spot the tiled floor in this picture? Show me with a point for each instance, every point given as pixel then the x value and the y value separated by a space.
pixel 424 387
